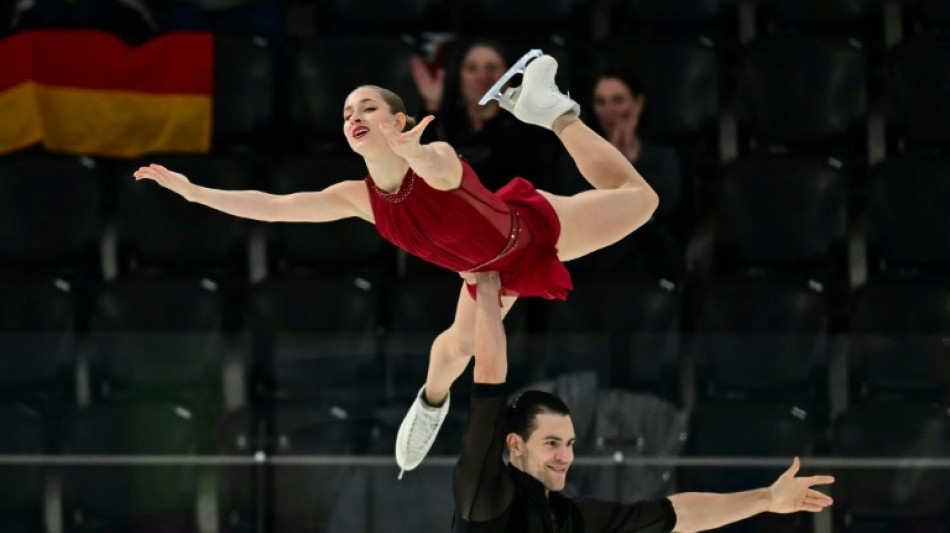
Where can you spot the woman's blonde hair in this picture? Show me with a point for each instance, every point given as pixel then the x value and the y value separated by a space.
pixel 394 102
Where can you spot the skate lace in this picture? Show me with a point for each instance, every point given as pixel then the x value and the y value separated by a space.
pixel 422 430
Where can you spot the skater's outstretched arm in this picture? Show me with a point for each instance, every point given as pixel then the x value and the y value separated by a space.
pixel 436 162
pixel 341 200
pixel 481 487
pixel 491 350
pixel 698 511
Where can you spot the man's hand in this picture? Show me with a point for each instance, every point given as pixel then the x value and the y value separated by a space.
pixel 488 283
pixel 791 494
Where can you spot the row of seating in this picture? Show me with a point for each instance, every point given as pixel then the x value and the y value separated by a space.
pixel 782 212
pixel 323 497
pixel 689 82
pixel 345 343
pixel 573 16
pixel 282 98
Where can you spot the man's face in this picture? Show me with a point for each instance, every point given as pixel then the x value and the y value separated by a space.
pixel 548 452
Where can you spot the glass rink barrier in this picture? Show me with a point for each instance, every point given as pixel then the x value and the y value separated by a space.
pixel 220 432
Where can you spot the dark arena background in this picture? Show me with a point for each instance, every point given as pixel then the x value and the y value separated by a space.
pixel 165 367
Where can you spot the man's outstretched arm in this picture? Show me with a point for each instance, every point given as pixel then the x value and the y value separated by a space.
pixel 699 511
pixel 483 491
pixel 491 351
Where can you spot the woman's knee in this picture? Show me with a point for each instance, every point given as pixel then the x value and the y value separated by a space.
pixel 457 342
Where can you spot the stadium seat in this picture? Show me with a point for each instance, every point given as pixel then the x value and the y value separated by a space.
pixel 328 67
pixel 907 229
pixel 158 338
pixel 315 341
pixel 633 425
pixel 749 430
pixel 38 342
pixel 243 98
pixel 918 111
pixel 421 501
pixel 161 231
pixel 143 498
pixel 926 16
pixel 49 214
pixel 803 94
pixel 637 323
pixel 661 18
pixel 304 496
pixel 783 213
pixel 859 19
pixel 239 486
pixel 885 499
pixel 565 16
pixel 23 432
pixel 379 15
pixel 765 339
pixel 898 340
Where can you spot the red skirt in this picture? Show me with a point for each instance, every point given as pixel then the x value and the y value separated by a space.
pixel 532 270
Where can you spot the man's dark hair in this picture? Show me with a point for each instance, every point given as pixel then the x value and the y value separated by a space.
pixel 526 406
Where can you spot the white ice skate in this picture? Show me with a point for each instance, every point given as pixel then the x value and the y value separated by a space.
pixel 537 100
pixel 495 92
pixel 417 432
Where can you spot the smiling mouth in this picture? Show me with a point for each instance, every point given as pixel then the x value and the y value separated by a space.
pixel 360 132
pixel 558 469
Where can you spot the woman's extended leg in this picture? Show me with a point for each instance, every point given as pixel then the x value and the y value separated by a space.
pixel 448 358
pixel 622 200
pixel 621 203
pixel 453 348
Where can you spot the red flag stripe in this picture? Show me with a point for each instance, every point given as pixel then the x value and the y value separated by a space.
pixel 174 63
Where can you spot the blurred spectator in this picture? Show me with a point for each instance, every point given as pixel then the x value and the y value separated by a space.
pixel 618 104
pixel 498 146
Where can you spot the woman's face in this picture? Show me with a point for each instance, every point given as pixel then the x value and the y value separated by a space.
pixel 363 111
pixel 481 68
pixel 615 103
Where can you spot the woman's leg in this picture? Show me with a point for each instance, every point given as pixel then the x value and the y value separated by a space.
pixel 449 356
pixel 621 202
pixel 453 348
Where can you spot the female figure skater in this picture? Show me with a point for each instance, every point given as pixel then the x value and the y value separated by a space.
pixel 427 200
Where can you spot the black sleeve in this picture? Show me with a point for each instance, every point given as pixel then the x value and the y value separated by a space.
pixel 655 516
pixel 483 489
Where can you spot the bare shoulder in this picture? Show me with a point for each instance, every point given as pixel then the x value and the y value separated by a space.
pixel 355 193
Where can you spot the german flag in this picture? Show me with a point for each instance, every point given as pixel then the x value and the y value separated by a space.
pixel 87 92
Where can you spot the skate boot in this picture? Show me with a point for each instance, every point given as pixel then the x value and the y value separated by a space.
pixel 537 100
pixel 417 432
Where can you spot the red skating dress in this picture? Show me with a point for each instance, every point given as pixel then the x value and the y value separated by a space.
pixel 470 229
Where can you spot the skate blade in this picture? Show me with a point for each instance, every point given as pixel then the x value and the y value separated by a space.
pixel 518 68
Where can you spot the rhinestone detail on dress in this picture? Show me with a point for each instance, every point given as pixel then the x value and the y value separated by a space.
pixel 509 247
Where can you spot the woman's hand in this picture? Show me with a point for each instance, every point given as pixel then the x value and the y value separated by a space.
pixel 172 181
pixel 406 144
pixel 624 136
pixel 430 86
